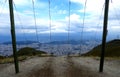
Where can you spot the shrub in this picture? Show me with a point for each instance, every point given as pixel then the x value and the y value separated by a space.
pixel 29 51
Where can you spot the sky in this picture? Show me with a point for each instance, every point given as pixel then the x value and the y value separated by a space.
pixel 59 13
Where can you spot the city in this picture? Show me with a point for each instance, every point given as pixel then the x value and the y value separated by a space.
pixel 55 48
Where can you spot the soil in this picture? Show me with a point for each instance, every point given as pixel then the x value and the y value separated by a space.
pixel 62 67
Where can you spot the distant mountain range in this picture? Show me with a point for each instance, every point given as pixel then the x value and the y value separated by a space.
pixel 112 49
pixel 58 47
pixel 65 42
pixel 20 42
pixel 54 37
pixel 73 42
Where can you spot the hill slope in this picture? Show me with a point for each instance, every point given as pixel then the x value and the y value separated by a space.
pixel 1 57
pixel 112 49
pixel 29 51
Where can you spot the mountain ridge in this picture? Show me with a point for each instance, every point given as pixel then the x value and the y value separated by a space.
pixel 112 49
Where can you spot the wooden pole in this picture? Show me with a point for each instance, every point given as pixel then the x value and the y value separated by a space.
pixel 13 35
pixel 104 35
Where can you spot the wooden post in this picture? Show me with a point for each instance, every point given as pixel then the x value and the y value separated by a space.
pixel 13 35
pixel 104 35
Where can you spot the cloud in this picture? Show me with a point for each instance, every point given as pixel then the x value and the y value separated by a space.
pixel 19 31
pixel 54 31
pixel 94 10
pixel 62 12
pixel 59 16
pixel 91 5
pixel 73 17
pixel 78 1
pixel 22 2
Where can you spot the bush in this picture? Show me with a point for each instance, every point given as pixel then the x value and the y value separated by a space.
pixel 29 51
pixel 2 57
pixel 112 49
pixel 11 59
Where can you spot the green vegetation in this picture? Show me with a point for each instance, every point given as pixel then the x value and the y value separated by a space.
pixel 27 51
pixel 2 57
pixel 11 59
pixel 112 49
pixel 23 54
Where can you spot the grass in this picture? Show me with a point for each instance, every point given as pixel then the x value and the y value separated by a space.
pixel 45 55
pixel 22 58
pixel 2 57
pixel 106 58
pixel 112 50
pixel 11 59
pixel 27 51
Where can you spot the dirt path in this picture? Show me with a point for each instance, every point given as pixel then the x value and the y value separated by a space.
pixel 45 71
pixel 90 66
pixel 3 66
pixel 78 70
pixel 62 67
pixel 25 67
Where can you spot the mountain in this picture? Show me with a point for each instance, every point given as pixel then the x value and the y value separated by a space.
pixel 20 42
pixel 73 42
pixel 65 42
pixel 52 42
pixel 58 47
pixel 112 49
pixel 29 51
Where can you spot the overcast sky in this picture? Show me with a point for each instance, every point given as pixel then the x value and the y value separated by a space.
pixel 59 10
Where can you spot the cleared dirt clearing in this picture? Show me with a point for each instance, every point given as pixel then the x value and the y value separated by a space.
pixel 62 67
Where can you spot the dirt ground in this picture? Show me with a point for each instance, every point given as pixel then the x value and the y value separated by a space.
pixel 62 67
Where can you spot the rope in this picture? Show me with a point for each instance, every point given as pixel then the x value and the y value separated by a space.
pixel 69 23
pixel 50 25
pixel 50 20
pixel 83 26
pixel 20 22
pixel 99 21
pixel 2 7
pixel 116 13
pixel 117 17
pixel 111 1
pixel 37 38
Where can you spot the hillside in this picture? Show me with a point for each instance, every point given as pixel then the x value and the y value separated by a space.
pixel 1 57
pixel 20 42
pixel 112 49
pixel 29 51
pixel 23 54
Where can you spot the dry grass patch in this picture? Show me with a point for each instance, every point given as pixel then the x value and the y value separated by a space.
pixel 11 59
